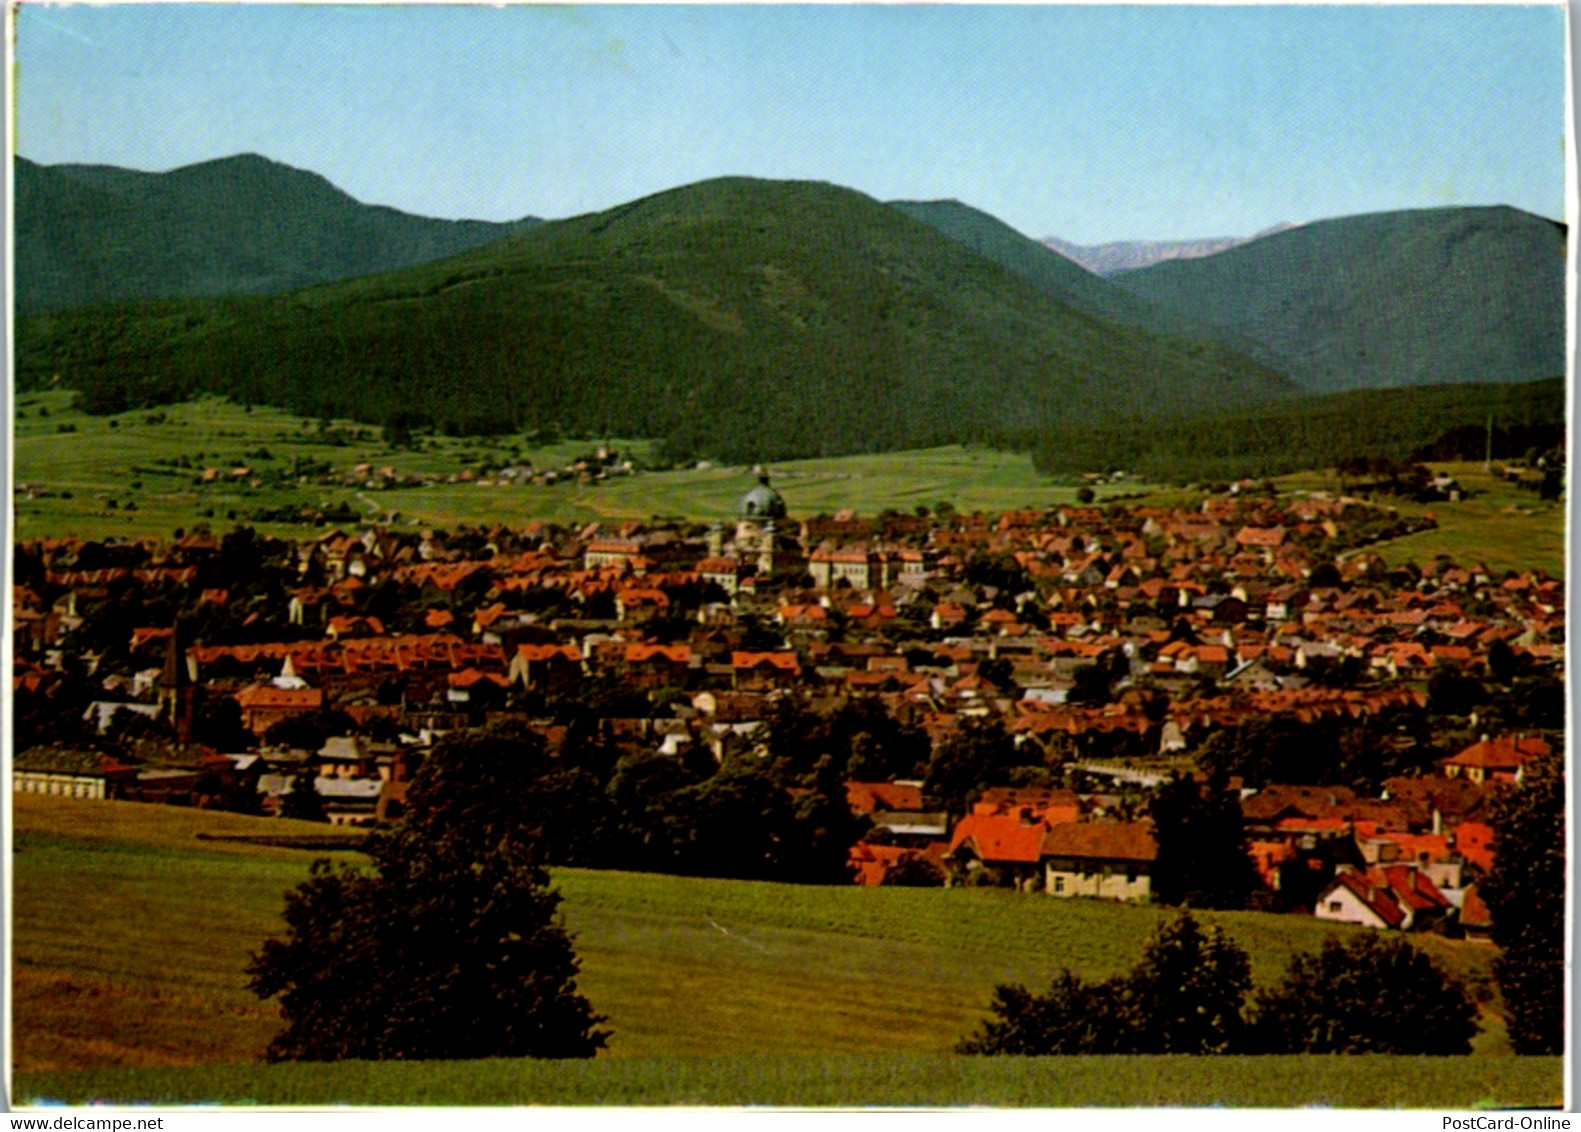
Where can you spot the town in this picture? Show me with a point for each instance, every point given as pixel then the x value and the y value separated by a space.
pixel 922 698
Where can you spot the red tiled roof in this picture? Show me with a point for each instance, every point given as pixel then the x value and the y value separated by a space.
pixel 470 677
pixel 266 695
pixel 1379 900
pixel 786 661
pixel 1260 536
pixel 1500 754
pixel 1474 910
pixel 871 797
pixel 1411 887
pixel 676 654
pixel 1102 841
pixel 1475 842
pixel 534 653
pixel 999 838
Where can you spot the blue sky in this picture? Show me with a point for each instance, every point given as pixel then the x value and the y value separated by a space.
pixel 1090 123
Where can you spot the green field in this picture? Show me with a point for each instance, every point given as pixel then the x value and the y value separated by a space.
pixel 131 937
pixel 1498 524
pixel 105 458
pixel 887 1081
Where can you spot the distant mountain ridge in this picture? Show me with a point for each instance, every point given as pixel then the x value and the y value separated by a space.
pixel 742 318
pixel 735 318
pixel 1417 297
pixel 1132 255
pixel 1071 283
pixel 89 234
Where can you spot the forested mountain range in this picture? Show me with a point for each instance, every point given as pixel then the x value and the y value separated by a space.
pixel 736 318
pixel 240 225
pixel 1070 282
pixel 1420 297
pixel 746 319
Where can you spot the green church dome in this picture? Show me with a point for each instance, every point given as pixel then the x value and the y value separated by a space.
pixel 762 502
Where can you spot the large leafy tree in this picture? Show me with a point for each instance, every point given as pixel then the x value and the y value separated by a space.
pixel 826 828
pixel 303 801
pixel 1185 995
pixel 974 756
pixel 1374 994
pixel 1203 860
pixel 1525 894
pixel 449 945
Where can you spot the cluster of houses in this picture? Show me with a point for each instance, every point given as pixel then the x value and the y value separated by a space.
pixel 596 466
pixel 1409 859
pixel 1116 639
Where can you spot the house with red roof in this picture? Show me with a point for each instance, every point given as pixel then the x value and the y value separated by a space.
pixel 1050 805
pixel 1495 760
pixel 870 864
pixel 1390 897
pixel 763 671
pixel 546 667
pixel 1110 860
pixel 657 666
pixel 1008 845
pixel 867 798
pixel 1474 841
pixel 1475 919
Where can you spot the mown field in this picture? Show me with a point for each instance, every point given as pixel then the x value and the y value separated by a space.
pixel 113 458
pixel 131 936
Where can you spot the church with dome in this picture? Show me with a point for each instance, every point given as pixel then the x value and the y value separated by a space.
pixel 763 537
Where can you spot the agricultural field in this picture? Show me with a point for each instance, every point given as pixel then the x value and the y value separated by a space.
pixel 1497 524
pixel 75 474
pixel 131 936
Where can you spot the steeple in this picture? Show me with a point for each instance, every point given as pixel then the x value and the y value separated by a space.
pixel 176 689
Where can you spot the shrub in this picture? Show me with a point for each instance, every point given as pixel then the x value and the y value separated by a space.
pixel 1375 994
pixel 1183 997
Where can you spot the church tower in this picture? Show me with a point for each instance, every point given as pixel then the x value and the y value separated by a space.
pixel 756 538
pixel 176 686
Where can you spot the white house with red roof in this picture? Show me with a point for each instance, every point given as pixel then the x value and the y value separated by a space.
pixel 1111 860
pixel 1396 897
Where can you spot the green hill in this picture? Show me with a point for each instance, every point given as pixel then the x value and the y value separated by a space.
pixel 1400 298
pixel 734 318
pixel 719 992
pixel 1069 282
pixel 240 225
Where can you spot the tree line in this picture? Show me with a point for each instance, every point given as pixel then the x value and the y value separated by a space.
pixel 1189 995
pixel 1435 422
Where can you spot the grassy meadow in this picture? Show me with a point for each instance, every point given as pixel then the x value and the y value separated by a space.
pixel 113 458
pixel 131 936
pixel 842 1081
pixel 1497 524
pixel 100 459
